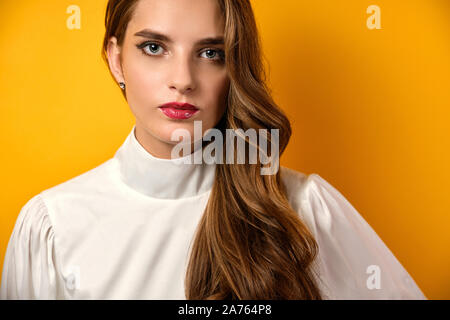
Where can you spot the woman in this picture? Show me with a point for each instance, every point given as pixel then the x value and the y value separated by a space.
pixel 148 225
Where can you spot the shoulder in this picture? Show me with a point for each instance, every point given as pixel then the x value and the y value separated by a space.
pixel 80 189
pixel 301 187
pixel 292 178
pixel 64 203
pixel 33 216
pixel 312 196
pixel 41 207
pixel 83 183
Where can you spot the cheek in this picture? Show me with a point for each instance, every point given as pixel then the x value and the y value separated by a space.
pixel 142 84
pixel 216 90
pixel 142 90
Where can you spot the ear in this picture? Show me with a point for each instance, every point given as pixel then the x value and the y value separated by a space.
pixel 114 59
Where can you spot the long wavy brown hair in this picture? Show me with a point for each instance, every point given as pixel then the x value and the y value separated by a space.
pixel 250 243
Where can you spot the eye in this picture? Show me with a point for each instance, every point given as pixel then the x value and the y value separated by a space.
pixel 211 54
pixel 152 48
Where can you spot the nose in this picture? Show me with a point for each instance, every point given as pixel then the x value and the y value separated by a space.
pixel 182 77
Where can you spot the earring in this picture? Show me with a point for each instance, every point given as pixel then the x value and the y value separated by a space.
pixel 122 85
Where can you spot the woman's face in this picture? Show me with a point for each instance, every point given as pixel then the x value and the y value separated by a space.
pixel 178 67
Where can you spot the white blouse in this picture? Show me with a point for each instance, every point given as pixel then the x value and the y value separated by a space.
pixel 123 230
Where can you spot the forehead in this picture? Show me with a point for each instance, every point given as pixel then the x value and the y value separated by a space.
pixel 181 20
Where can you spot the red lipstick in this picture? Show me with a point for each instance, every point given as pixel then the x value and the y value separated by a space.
pixel 177 110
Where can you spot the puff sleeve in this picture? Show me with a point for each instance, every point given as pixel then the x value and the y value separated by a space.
pixel 30 269
pixel 355 262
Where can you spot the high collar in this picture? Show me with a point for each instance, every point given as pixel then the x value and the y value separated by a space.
pixel 162 178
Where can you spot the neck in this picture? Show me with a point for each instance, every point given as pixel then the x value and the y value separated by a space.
pixel 162 178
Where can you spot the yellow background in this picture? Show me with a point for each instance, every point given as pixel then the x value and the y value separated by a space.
pixel 369 108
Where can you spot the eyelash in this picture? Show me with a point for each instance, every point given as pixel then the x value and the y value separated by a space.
pixel 143 45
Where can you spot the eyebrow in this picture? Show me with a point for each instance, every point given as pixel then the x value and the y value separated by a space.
pixel 147 33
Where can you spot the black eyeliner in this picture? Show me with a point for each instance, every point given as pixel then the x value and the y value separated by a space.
pixel 144 44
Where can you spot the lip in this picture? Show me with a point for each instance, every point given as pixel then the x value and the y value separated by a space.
pixel 179 105
pixel 178 110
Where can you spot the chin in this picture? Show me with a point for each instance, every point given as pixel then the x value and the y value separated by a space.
pixel 167 130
